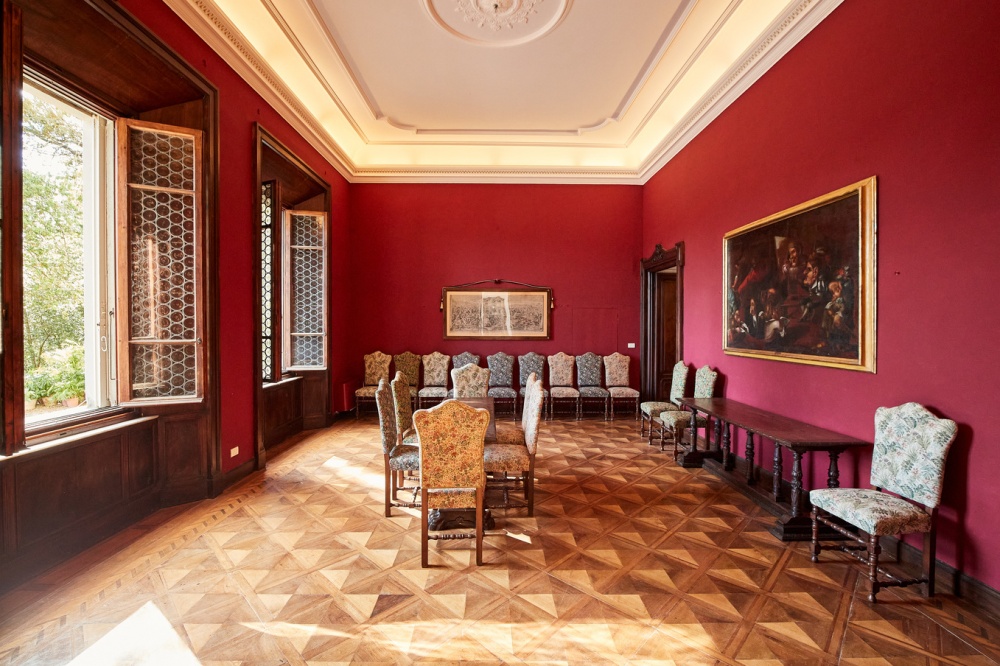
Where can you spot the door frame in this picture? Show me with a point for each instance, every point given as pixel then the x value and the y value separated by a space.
pixel 651 332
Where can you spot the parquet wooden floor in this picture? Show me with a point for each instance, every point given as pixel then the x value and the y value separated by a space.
pixel 628 560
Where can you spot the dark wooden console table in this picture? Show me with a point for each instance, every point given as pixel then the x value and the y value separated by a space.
pixel 798 437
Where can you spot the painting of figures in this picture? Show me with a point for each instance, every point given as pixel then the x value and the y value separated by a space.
pixel 513 315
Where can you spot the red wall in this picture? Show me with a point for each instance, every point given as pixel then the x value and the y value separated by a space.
pixel 909 92
pixel 240 107
pixel 409 241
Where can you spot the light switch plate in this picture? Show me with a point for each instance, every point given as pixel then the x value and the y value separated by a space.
pixel 233 452
pixel 631 345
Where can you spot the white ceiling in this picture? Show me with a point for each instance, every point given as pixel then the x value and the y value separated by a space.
pixel 599 91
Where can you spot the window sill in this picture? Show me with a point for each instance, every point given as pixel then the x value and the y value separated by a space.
pixel 61 427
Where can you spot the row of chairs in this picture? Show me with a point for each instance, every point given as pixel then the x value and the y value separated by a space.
pixel 498 378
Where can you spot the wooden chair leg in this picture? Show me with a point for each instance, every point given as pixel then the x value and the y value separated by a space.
pixel 816 547
pixel 529 488
pixel 423 528
pixel 874 550
pixel 637 411
pixel 930 553
pixel 479 526
pixel 388 488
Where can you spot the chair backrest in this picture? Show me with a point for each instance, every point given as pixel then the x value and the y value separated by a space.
pixel 409 364
pixel 470 381
pixel 386 416
pixel 464 358
pixel 435 369
pixel 704 382
pixel 451 445
pixel 530 363
pixel 588 369
pixel 911 445
pixel 678 383
pixel 403 408
pixel 501 369
pixel 561 369
pixel 376 367
pixel 531 416
pixel 616 370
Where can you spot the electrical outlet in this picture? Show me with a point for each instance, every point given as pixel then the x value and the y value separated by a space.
pixel 631 345
pixel 233 452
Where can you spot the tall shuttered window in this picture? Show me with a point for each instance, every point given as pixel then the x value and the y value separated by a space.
pixel 269 232
pixel 161 351
pixel 304 316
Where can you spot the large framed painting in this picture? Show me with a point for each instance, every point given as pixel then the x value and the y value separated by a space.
pixel 800 284
pixel 517 314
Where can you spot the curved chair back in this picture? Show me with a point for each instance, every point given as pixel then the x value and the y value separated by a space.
pixel 464 358
pixel 386 416
pixel 471 381
pixel 451 448
pixel 376 368
pixel 704 382
pixel 534 403
pixel 402 407
pixel 911 445
pixel 530 363
pixel 678 383
pixel 561 369
pixel 616 370
pixel 408 363
pixel 501 369
pixel 435 369
pixel 588 370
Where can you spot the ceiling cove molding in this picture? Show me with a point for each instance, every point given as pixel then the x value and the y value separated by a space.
pixel 566 176
pixel 227 41
pixel 782 36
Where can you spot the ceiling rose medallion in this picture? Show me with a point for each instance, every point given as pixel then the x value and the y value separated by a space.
pixel 496 14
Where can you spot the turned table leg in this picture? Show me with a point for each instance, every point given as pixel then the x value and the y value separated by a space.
pixel 776 481
pixel 751 477
pixel 833 474
pixel 727 459
pixel 796 483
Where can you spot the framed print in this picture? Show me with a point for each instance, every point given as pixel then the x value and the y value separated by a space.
pixel 799 286
pixel 517 314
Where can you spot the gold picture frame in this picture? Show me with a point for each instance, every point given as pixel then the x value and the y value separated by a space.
pixel 799 285
pixel 514 314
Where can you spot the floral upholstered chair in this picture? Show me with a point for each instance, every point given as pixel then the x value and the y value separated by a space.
pixel 376 369
pixel 458 361
pixel 588 380
pixel 502 380
pixel 403 411
pixel 451 465
pixel 528 364
pixel 616 378
pixel 470 381
pixel 678 384
pixel 409 364
pixel 561 381
pixel 673 422
pixel 911 445
pixel 435 378
pixel 509 456
pixel 399 458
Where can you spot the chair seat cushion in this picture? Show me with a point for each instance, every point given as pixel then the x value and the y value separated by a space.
pixel 545 392
pixel 675 420
pixel 873 511
pixel 506 458
pixel 404 458
pixel 410 437
pixel 432 392
pixel 564 392
pixel 654 408
pixel 624 392
pixel 593 392
pixel 507 434
pixel 451 498
pixel 366 392
pixel 502 392
pixel 413 391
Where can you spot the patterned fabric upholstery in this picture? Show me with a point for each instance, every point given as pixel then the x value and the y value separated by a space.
pixel 435 370
pixel 508 434
pixel 704 382
pixel 403 408
pixel 616 370
pixel 588 370
pixel 365 392
pixel 501 457
pixel 451 453
pixel 622 392
pixel 564 392
pixel 532 417
pixel 386 416
pixel 652 408
pixel 501 367
pixel 561 370
pixel 523 392
pixel 527 364
pixel 911 445
pixel 678 382
pixel 873 511
pixel 502 392
pixel 409 364
pixel 471 381
pixel 376 367
pixel 465 358
pixel 593 392
pixel 405 458
pixel 673 420
pixel 433 392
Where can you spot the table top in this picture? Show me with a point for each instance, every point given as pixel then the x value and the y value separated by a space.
pixel 781 429
pixel 484 403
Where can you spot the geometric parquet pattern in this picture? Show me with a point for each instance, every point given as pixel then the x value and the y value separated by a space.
pixel 628 560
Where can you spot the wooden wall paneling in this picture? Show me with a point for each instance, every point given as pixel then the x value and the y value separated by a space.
pixel 142 462
pixel 315 398
pixel 281 410
pixel 187 114
pixel 186 457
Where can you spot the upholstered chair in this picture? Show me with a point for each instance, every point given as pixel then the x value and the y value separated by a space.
pixel 528 364
pixel 409 364
pixel 403 411
pixel 911 445
pixel 678 384
pixel 501 367
pixel 470 381
pixel 452 475
pixel 588 380
pixel 616 378
pixel 376 369
pixel 435 379
pixel 504 458
pixel 515 434
pixel 458 361
pixel 672 423
pixel 399 458
pixel 561 382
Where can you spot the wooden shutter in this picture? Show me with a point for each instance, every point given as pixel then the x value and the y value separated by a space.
pixel 304 292
pixel 270 267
